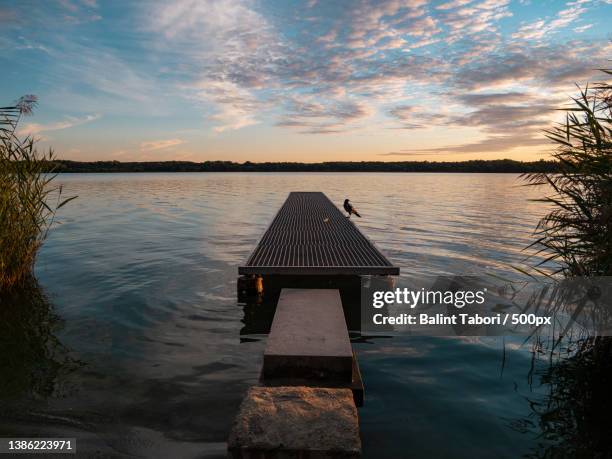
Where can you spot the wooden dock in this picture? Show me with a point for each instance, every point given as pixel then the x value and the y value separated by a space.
pixel 305 405
pixel 310 236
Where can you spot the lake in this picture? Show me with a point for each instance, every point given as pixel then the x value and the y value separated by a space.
pixel 145 356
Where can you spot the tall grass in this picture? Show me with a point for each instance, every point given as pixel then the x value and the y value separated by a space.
pixel 28 199
pixel 577 233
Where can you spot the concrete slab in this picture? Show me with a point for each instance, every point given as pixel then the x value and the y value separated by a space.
pixel 309 338
pixel 296 422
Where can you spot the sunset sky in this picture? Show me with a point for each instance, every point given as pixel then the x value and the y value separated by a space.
pixel 299 81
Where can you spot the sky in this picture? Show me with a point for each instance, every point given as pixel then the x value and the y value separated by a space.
pixel 258 80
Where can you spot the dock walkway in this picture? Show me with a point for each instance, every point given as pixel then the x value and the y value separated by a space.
pixel 310 236
pixel 310 387
pixel 309 339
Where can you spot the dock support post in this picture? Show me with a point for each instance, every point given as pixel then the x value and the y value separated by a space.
pixel 249 286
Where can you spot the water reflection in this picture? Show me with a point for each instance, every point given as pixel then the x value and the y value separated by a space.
pixel 143 274
pixel 573 418
pixel 31 356
pixel 111 410
pixel 258 310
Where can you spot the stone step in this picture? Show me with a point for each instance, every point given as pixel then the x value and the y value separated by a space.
pixel 295 422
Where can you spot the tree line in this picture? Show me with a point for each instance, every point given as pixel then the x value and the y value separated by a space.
pixel 493 166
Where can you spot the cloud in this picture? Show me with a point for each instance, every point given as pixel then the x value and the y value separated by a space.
pixel 472 18
pixel 160 144
pixel 250 69
pixel 334 116
pixel 545 68
pixel 106 72
pixel 79 12
pixel 235 107
pixel 494 144
pixel 452 4
pixel 403 112
pixel 507 120
pixel 33 129
pixel 581 29
pixel 478 99
pixel 426 26
pixel 332 67
pixel 505 112
pixel 234 50
pixel 70 6
pixel 77 5
pixel 415 117
pixel 320 67
pixel 538 29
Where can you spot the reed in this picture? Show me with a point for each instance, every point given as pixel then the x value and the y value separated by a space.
pixel 28 198
pixel 576 236
pixel 577 232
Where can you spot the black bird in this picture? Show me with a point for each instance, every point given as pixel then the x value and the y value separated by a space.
pixel 350 209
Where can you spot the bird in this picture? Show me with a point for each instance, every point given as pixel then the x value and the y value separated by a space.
pixel 350 209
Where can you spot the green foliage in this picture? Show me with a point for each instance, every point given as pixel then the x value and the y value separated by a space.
pixel 577 232
pixel 26 195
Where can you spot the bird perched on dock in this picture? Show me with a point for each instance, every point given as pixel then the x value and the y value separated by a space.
pixel 350 209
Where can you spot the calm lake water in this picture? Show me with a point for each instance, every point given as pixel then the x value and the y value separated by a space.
pixel 147 355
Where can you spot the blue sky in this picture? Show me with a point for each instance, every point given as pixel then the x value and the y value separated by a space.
pixel 299 81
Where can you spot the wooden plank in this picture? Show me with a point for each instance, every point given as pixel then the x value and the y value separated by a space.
pixel 319 270
pixel 309 338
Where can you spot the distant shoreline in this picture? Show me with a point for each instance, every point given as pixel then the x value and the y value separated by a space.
pixel 484 166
